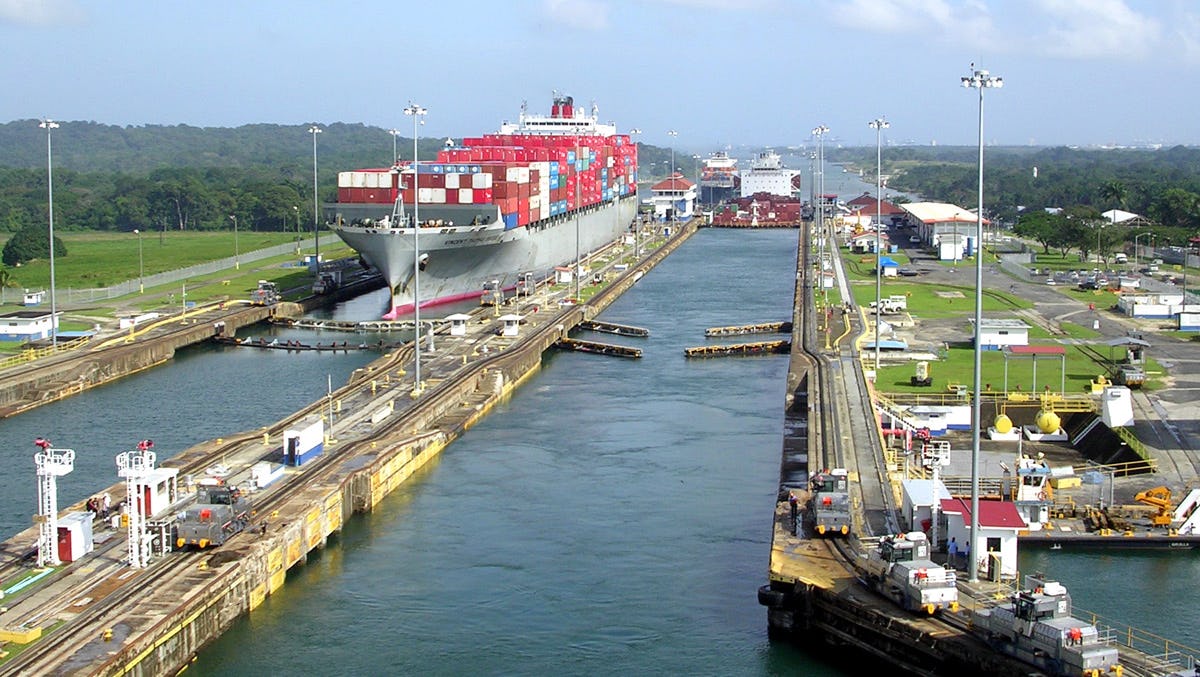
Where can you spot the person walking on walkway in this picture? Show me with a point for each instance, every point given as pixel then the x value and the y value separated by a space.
pixel 793 504
pixel 952 552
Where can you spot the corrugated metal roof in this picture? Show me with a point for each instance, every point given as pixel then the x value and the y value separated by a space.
pixel 940 212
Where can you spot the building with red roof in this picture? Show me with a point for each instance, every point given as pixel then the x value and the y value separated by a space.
pixel 674 196
pixel 995 546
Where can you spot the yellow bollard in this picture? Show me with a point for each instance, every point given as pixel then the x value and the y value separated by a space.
pixel 266 439
pixel 374 385
pixel 108 634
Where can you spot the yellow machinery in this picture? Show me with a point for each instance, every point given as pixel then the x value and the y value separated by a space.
pixel 1158 497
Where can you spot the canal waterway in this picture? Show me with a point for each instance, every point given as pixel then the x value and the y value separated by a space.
pixel 613 516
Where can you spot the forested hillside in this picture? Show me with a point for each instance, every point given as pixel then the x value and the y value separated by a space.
pixel 160 177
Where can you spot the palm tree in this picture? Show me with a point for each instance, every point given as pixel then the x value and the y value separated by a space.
pixel 1114 191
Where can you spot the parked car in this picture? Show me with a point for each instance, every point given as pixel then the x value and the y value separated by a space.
pixel 908 272
pixel 914 239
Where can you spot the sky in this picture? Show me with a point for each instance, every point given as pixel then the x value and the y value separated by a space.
pixel 717 72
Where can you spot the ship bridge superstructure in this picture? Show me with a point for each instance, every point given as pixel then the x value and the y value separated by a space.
pixel 564 119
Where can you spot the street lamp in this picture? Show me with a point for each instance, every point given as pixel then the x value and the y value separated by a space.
pixel 237 263
pixel 416 112
pixel 1135 248
pixel 878 124
pixel 141 268
pixel 296 211
pixel 981 80
pixel 672 133
pixel 820 131
pixel 637 222
pixel 394 133
pixel 314 130
pixel 49 125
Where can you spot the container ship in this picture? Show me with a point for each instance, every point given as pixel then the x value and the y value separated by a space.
pixel 534 196
pixel 719 178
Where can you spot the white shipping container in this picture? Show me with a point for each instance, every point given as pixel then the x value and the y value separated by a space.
pixel 511 173
pixel 358 180
pixel 481 180
pixel 437 195
pixel 372 179
pixel 344 179
pixel 425 194
pixel 522 175
pixel 465 196
pixel 452 181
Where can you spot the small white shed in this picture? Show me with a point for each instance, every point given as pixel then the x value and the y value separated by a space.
pixel 458 324
pixel 511 323
pixel 995 334
pixel 75 535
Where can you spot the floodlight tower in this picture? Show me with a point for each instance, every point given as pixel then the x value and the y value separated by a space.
pixel 135 465
pixel 51 463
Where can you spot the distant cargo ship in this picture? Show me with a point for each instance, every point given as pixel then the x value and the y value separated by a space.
pixel 523 200
pixel 768 175
pixel 719 178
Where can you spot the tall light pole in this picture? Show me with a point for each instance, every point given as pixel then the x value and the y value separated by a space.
pixel 416 112
pixel 577 167
pixel 672 133
pixel 394 133
pixel 637 221
pixel 820 131
pixel 141 268
pixel 314 130
pixel 49 125
pixel 981 80
pixel 1135 248
pixel 296 211
pixel 237 261
pixel 878 124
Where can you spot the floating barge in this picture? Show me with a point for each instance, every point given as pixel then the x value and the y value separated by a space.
pixel 613 328
pixel 766 328
pixel 599 348
pixel 276 344
pixel 758 348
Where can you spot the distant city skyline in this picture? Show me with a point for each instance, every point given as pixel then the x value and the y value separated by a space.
pixel 720 72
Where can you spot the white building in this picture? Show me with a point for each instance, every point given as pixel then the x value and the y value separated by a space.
pixel 675 197
pixel 27 325
pixel 995 546
pixel 995 334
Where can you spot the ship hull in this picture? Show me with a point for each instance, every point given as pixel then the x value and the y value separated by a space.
pixel 457 260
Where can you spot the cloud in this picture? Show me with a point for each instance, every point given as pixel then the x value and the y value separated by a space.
pixel 1092 29
pixel 40 12
pixel 966 23
pixel 590 15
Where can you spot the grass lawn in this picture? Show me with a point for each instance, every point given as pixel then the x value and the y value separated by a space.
pixel 958 367
pixel 103 259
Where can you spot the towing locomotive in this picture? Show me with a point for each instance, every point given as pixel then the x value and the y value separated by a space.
pixel 831 502
pixel 1036 626
pixel 219 513
pixel 901 570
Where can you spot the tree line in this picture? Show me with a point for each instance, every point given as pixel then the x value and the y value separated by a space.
pixel 160 177
pixel 1056 195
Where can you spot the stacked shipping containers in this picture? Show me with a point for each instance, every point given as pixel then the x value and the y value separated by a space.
pixel 529 177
